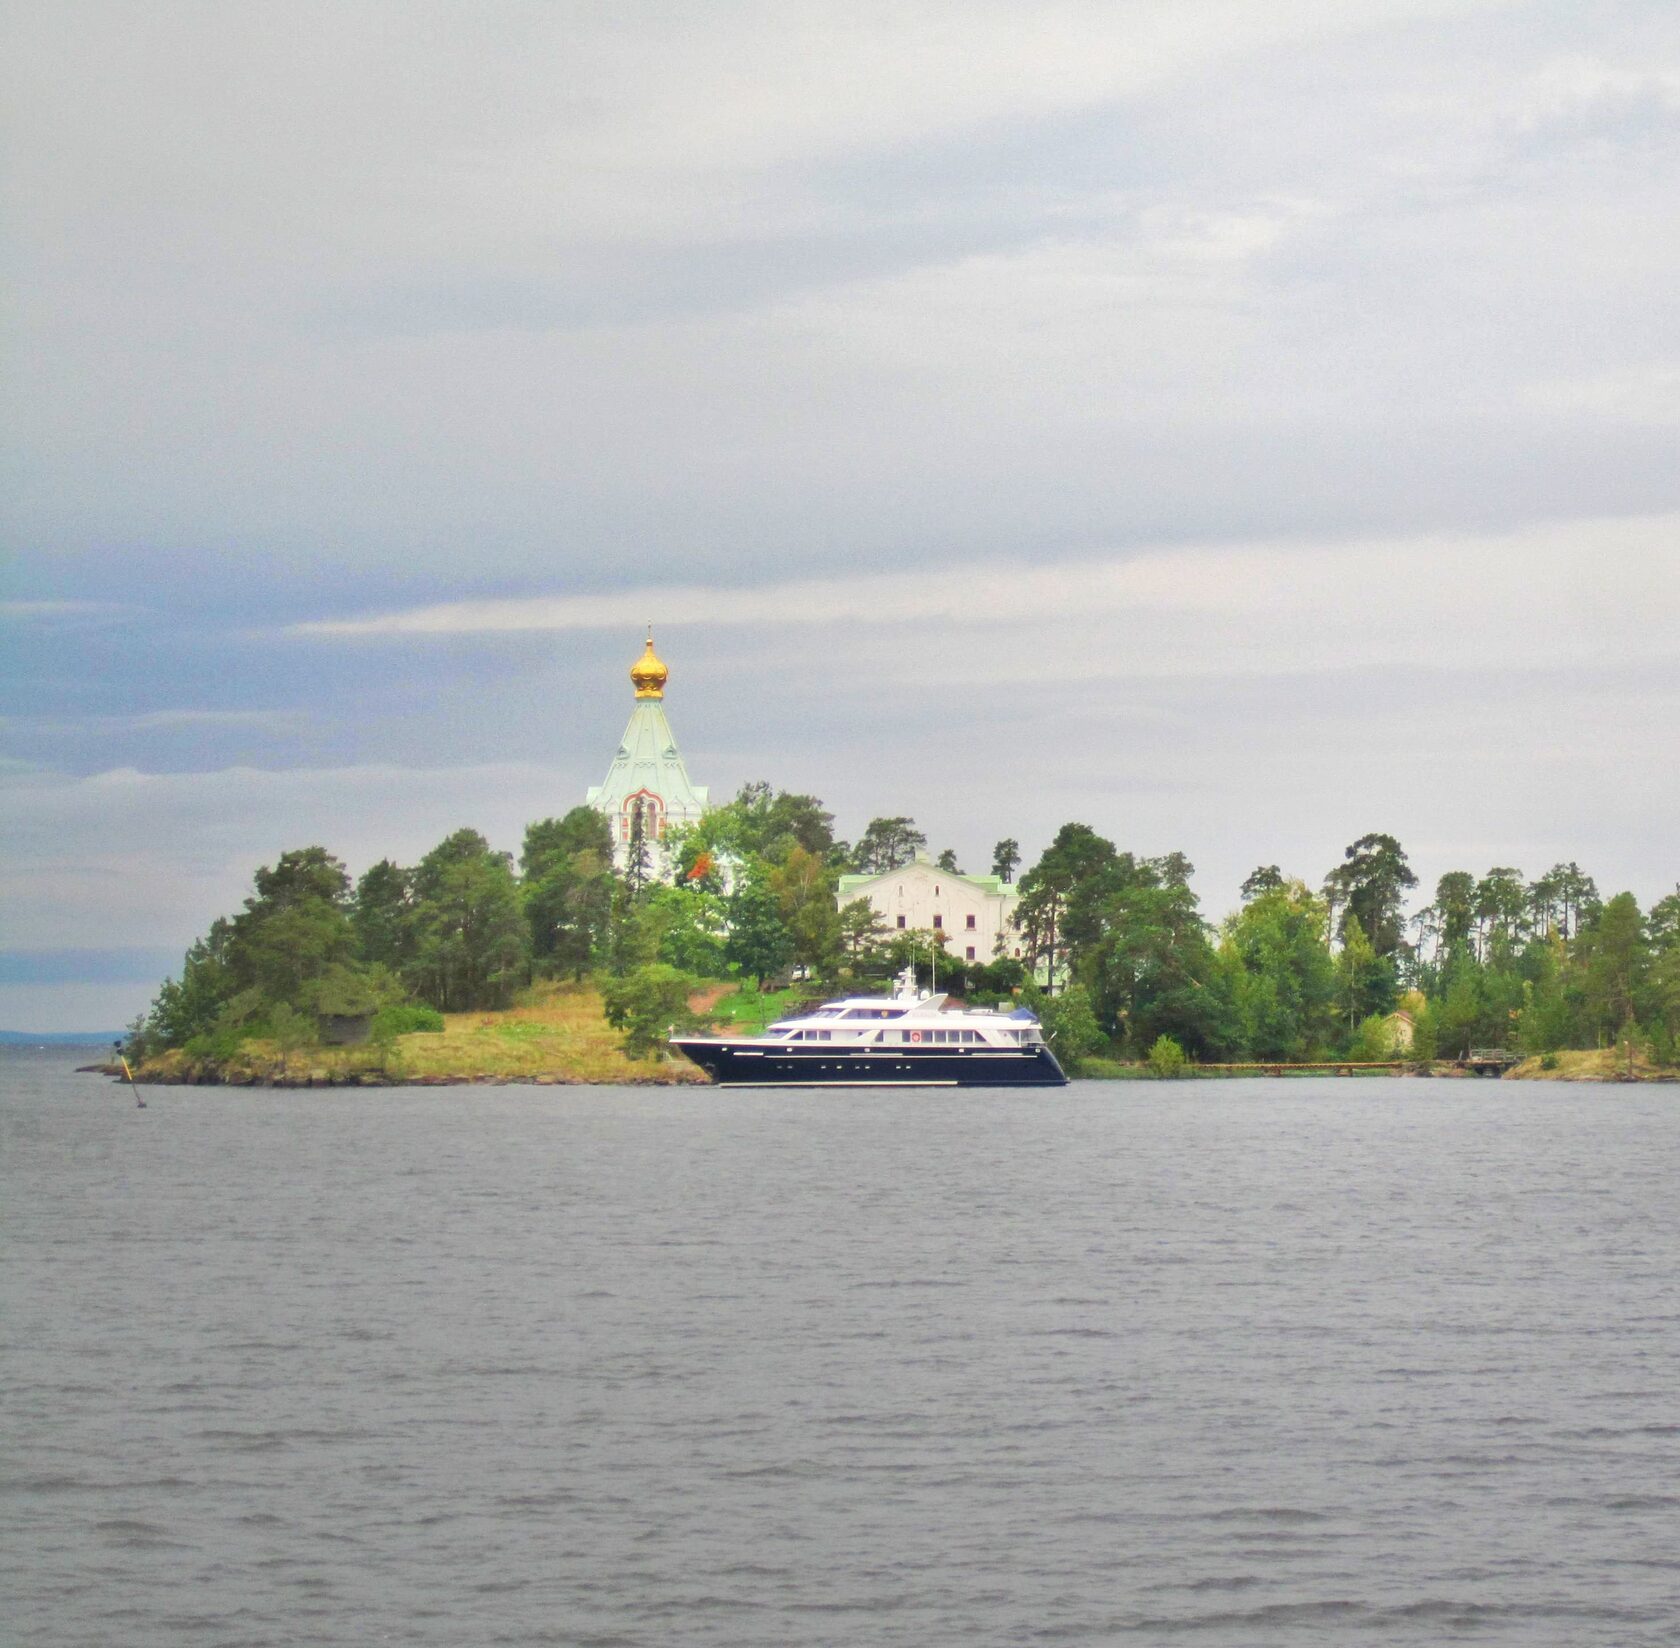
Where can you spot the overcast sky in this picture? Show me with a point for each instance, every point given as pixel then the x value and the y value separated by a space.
pixel 1235 424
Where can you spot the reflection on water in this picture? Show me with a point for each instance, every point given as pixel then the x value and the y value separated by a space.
pixel 1234 1363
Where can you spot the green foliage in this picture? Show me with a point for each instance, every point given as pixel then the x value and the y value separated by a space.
pixel 759 942
pixel 1369 887
pixel 1070 1026
pixel 947 860
pixel 804 888
pixel 568 891
pixel 1283 977
pixel 647 1004
pixel 294 927
pixel 886 844
pixel 1425 1034
pixel 380 914
pixel 1167 1058
pixel 761 824
pixel 405 1019
pixel 685 928
pixel 290 1031
pixel 349 990
pixel 862 928
pixel 471 943
pixel 1364 980
pixel 1006 855
pixel 1373 1041
pixel 1616 961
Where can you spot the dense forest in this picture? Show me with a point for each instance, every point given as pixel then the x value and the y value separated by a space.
pixel 1117 954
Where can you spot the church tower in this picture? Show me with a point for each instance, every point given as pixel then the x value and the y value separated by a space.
pixel 647 786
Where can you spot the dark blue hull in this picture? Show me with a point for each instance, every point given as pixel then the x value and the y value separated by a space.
pixel 730 1064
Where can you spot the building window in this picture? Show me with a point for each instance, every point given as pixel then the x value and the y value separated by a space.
pixel 937 922
pixel 901 921
pixel 971 952
pixel 971 924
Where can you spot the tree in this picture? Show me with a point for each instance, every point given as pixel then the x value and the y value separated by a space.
pixel 1616 959
pixel 1285 981
pixel 947 860
pixel 862 926
pixel 1005 856
pixel 647 1004
pixel 685 928
pixel 1502 905
pixel 1369 886
pixel 886 844
pixel 471 946
pixel 379 915
pixel 568 890
pixel 1051 896
pixel 1364 980
pixel 759 943
pixel 1578 899
pixel 804 891
pixel 293 927
pixel 638 855
pixel 1267 879
pixel 291 1032
pixel 1167 1058
pixel 1455 910
pixel 1070 1026
pixel 189 1007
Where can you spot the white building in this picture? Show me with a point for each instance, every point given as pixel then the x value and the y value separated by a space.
pixel 971 910
pixel 647 780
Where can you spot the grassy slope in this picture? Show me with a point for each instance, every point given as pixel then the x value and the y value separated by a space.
pixel 1594 1064
pixel 555 1032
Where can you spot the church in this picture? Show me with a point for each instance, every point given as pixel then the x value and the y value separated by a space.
pixel 647 791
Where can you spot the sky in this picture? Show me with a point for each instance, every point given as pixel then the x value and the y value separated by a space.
pixel 1237 425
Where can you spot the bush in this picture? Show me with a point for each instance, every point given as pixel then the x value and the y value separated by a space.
pixel 1372 1042
pixel 646 1004
pixel 405 1019
pixel 1548 1061
pixel 1167 1059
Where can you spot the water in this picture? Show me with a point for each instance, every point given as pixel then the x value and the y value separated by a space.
pixel 1223 1364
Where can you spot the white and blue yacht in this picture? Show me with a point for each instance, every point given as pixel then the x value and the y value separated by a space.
pixel 907 1039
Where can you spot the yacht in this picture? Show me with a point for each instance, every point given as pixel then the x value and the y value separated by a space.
pixel 907 1039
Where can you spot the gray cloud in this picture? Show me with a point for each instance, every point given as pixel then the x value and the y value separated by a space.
pixel 1310 371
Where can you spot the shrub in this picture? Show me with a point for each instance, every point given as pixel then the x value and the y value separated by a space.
pixel 1548 1061
pixel 404 1019
pixel 647 1003
pixel 1166 1058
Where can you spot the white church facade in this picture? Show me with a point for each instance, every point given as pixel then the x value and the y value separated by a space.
pixel 974 912
pixel 647 790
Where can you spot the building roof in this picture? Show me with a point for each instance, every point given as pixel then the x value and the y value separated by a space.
pixel 993 886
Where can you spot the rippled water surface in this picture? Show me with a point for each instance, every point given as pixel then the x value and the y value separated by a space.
pixel 1236 1363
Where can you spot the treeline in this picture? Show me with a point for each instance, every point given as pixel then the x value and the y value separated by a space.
pixel 1301 973
pixel 1115 950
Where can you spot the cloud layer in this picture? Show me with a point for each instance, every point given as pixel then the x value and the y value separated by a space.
pixel 1227 423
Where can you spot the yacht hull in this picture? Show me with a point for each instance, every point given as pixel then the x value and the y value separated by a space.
pixel 736 1064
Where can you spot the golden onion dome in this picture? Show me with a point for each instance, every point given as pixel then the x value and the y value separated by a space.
pixel 649 674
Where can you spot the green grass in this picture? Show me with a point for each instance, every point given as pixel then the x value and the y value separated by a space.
pixel 745 1009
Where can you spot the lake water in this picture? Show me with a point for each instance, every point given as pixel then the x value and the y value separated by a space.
pixel 1266 1362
